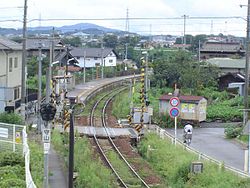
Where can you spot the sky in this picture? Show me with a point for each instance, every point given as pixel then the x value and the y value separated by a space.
pixel 94 10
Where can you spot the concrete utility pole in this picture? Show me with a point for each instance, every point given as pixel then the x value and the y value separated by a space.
pixel 39 98
pixel 84 66
pixel 184 30
pixel 247 68
pixel 247 81
pixel 23 88
pixel 246 106
pixel 102 59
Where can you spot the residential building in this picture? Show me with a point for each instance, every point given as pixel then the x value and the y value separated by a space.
pixel 10 74
pixel 94 57
pixel 33 44
pixel 212 49
pixel 229 65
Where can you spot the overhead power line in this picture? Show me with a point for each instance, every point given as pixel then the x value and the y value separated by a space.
pixel 137 18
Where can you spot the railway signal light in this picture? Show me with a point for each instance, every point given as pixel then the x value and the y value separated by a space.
pixel 48 112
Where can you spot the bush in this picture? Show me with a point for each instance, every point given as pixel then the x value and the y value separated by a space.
pixel 13 183
pixel 232 131
pixel 11 159
pixel 11 118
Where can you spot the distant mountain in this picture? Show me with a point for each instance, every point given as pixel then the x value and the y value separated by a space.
pixel 88 27
pixel 67 29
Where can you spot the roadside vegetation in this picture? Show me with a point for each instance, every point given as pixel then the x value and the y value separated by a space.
pixel 173 164
pixel 91 173
pixel 12 170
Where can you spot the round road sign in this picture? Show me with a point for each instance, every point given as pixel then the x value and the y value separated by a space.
pixel 174 101
pixel 174 112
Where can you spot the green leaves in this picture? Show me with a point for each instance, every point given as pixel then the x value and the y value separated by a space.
pixel 11 118
pixel 12 170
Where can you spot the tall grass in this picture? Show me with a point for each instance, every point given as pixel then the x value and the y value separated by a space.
pixel 91 172
pixel 173 164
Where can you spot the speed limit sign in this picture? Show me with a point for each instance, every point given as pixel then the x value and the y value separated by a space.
pixel 174 101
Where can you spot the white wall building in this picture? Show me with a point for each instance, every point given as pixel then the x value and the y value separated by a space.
pixel 10 73
pixel 93 57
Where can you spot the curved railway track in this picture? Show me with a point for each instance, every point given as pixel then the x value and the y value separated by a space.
pixel 103 147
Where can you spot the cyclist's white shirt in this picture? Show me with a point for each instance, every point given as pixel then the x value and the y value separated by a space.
pixel 188 127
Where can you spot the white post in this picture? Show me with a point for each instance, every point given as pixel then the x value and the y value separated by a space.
pixel 175 129
pixel 246 161
pixel 14 138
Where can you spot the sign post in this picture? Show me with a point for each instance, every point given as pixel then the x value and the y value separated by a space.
pixel 174 113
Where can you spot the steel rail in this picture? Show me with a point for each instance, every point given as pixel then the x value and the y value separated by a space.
pixel 113 144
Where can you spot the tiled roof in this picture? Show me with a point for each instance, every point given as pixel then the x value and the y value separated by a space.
pixel 6 44
pixel 182 97
pixel 33 43
pixel 228 63
pixel 90 52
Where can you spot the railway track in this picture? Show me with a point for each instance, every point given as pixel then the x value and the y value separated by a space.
pixel 108 150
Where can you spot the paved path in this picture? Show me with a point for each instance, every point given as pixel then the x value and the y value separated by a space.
pixel 58 175
pixel 211 141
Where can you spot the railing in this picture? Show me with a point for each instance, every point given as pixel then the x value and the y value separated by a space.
pixel 14 138
pixel 164 134
pixel 26 152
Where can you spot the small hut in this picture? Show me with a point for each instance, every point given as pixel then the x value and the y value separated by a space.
pixel 191 108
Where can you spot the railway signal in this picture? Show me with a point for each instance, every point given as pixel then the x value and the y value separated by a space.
pixel 48 112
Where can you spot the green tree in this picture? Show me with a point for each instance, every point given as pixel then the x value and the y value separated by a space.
pixel 74 41
pixel 110 41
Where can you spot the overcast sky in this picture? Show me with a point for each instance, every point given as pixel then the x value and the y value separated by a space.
pixel 94 9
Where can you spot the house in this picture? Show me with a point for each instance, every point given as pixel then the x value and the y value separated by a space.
pixel 92 57
pixel 33 44
pixel 228 78
pixel 227 65
pixel 212 49
pixel 10 74
pixel 191 107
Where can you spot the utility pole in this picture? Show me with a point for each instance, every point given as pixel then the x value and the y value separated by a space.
pixel 39 126
pixel 246 106
pixel 102 59
pixel 23 88
pixel 84 66
pixel 247 81
pixel 247 68
pixel 199 53
pixel 184 30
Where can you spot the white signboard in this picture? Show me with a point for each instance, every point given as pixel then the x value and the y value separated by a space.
pixel 46 147
pixel 4 132
pixel 46 135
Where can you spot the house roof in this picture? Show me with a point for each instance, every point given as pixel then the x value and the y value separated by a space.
pixel 6 44
pixel 183 98
pixel 221 46
pixel 34 43
pixel 228 62
pixel 91 52
pixel 62 56
pixel 235 75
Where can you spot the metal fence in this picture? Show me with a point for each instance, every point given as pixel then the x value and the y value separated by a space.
pixel 165 135
pixel 14 138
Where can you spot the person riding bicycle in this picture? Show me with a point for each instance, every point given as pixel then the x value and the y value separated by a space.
pixel 188 131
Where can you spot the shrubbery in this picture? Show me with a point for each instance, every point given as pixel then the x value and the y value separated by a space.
pixel 232 131
pixel 12 170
